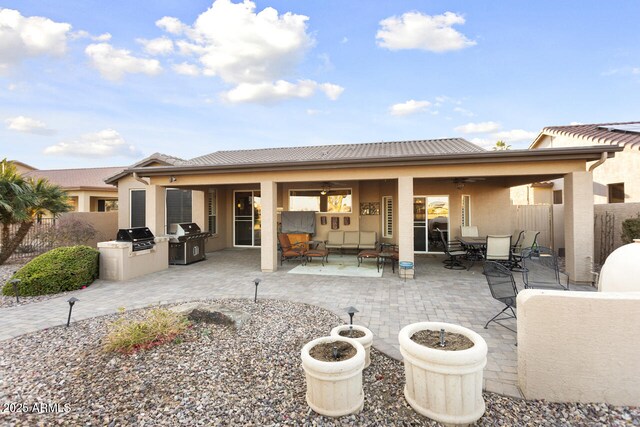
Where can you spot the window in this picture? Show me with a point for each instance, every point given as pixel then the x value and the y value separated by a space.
pixel 387 216
pixel 616 192
pixel 107 205
pixel 557 197
pixel 138 217
pixel 213 211
pixel 178 206
pixel 466 210
pixel 334 201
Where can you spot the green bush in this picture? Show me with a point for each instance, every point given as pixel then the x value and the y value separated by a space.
pixel 631 229
pixel 157 327
pixel 59 270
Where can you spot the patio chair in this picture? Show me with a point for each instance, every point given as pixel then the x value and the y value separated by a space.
pixel 335 239
pixel 503 288
pixel 454 251
pixel 291 251
pixel 498 249
pixel 469 231
pixel 526 240
pixel 540 270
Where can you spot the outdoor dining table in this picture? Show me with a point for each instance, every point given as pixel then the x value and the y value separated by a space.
pixel 476 247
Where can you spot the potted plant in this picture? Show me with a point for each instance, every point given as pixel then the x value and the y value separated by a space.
pixel 359 333
pixel 333 370
pixel 444 366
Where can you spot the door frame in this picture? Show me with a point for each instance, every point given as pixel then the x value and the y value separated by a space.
pixel 253 218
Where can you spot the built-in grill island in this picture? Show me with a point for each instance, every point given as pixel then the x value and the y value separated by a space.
pixel 141 238
pixel 186 243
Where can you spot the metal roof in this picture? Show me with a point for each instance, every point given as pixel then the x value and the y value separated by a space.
pixel 598 133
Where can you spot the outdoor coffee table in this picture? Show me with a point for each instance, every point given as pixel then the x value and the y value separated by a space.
pixel 323 254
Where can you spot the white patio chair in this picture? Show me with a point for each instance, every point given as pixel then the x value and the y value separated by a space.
pixel 498 249
pixel 469 231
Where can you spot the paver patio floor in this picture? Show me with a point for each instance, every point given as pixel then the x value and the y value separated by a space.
pixel 386 304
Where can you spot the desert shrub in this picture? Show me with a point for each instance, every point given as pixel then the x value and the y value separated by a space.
pixel 68 231
pixel 59 270
pixel 631 229
pixel 157 327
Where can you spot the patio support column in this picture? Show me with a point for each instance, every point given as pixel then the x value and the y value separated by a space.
pixel 155 209
pixel 405 222
pixel 84 202
pixel 268 223
pixel 578 225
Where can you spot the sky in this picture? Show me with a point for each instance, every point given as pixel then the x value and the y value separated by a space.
pixel 95 83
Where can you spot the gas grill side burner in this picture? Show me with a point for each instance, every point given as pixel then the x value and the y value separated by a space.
pixel 141 238
pixel 186 244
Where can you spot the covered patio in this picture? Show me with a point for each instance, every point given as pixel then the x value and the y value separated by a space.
pixel 385 304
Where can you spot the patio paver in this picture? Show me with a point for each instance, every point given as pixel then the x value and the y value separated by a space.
pixel 386 304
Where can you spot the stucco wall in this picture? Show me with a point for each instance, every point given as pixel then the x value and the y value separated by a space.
pixel 618 213
pixel 105 223
pixel 579 346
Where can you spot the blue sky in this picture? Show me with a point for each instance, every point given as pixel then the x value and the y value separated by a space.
pixel 97 83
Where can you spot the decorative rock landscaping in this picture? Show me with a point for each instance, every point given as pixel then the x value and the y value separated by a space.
pixel 219 375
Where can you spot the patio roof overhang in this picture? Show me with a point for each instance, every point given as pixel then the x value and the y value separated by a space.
pixel 558 156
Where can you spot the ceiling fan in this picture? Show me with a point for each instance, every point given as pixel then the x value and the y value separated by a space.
pixel 460 182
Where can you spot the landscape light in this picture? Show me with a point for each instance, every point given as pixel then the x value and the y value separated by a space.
pixel 71 301
pixel 256 281
pixel 16 291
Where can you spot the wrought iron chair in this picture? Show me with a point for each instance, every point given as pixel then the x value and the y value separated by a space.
pixel 503 288
pixel 454 251
pixel 498 249
pixel 540 269
pixel 291 251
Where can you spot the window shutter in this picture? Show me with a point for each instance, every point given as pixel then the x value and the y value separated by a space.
pixel 178 206
pixel 387 230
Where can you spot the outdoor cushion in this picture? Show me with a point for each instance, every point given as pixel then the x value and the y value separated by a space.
pixel 335 239
pixel 351 239
pixel 368 240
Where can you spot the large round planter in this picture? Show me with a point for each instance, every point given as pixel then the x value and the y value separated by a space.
pixel 366 340
pixel 334 388
pixel 445 386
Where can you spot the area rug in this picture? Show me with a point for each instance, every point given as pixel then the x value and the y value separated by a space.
pixel 340 265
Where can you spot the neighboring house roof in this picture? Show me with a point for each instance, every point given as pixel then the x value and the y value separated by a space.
pixel 375 150
pixel 23 165
pixel 592 134
pixel 78 179
pixel 156 159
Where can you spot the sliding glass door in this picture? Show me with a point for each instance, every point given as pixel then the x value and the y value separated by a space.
pixel 247 211
pixel 430 213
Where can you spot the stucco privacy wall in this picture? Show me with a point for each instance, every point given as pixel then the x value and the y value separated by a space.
pixel 105 224
pixel 579 346
pixel 620 212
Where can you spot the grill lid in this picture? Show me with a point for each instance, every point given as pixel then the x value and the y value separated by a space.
pixel 184 229
pixel 135 234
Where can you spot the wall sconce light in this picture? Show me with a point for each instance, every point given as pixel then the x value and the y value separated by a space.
pixel 172 179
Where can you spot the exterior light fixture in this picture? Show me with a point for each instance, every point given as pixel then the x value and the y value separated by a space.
pixel 351 311
pixel 256 281
pixel 460 185
pixel 325 189
pixel 172 179
pixel 71 301
pixel 16 291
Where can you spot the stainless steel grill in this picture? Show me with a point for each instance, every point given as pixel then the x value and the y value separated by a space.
pixel 186 244
pixel 141 238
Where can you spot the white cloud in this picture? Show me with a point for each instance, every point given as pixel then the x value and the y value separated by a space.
pixel 482 127
pixel 344 40
pixel 409 107
pixel 82 34
pixel 28 125
pixel 23 37
pixel 157 46
pixel 515 135
pixel 234 42
pixel 186 69
pixel 484 142
pixel 464 111
pixel 414 30
pixel 114 63
pixel 105 143
pixel 266 92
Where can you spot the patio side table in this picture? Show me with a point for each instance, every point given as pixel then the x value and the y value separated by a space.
pixel 406 265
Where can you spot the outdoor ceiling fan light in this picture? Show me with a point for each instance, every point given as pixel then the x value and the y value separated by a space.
pixel 460 185
pixel 324 189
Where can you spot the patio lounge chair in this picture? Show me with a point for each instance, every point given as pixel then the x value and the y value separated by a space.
pixel 291 251
pixel 503 288
pixel 454 251
pixel 498 249
pixel 540 270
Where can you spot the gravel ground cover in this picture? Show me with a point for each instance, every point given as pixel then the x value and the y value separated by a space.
pixel 216 375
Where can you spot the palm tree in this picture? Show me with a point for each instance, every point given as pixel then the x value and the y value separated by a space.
pixel 501 146
pixel 21 201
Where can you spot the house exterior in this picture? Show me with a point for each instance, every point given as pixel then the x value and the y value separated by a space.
pixel 401 190
pixel 86 188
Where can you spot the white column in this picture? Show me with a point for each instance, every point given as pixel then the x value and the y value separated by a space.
pixel 84 202
pixel 405 222
pixel 268 247
pixel 578 225
pixel 155 209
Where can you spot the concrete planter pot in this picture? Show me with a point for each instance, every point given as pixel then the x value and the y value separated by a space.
pixel 366 340
pixel 334 389
pixel 445 386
